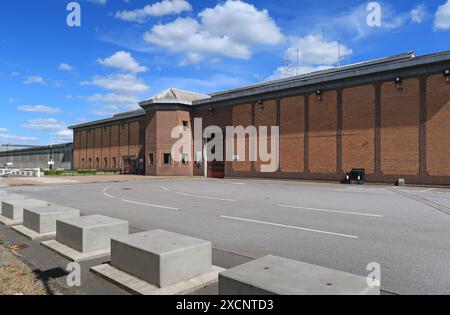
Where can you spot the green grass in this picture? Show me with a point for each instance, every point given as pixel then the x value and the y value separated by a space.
pixel 61 173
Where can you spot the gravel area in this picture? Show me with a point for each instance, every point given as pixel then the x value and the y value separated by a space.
pixel 16 278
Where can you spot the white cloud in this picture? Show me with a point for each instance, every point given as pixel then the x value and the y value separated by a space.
pixel 44 124
pixel 101 2
pixel 230 29
pixel 7 138
pixel 314 54
pixel 39 109
pixel 313 50
pixel 34 80
pixel 64 135
pixel 107 110
pixel 123 61
pixel 114 99
pixel 159 9
pixel 353 21
pixel 418 14
pixel 123 83
pixel 65 67
pixel 442 17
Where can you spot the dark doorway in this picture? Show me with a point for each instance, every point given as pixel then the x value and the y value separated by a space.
pixel 131 165
pixel 216 169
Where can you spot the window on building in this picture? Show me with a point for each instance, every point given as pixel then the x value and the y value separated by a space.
pixel 90 162
pixel 114 163
pixel 167 159
pixel 97 160
pixel 151 160
pixel 185 159
pixel 106 162
pixel 185 125
pixel 83 162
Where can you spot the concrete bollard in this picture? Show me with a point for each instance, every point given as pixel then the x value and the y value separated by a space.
pixel 11 197
pixel 86 238
pixel 160 263
pixel 43 220
pixel 162 258
pixel 13 209
pixel 273 275
pixel 90 233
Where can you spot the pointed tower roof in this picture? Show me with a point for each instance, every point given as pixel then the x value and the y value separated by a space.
pixel 174 96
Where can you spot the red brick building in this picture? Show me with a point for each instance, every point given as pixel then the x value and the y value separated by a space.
pixel 390 117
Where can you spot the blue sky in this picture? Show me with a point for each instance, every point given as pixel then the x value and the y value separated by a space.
pixel 53 75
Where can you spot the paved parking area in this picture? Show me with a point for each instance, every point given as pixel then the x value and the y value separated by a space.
pixel 405 230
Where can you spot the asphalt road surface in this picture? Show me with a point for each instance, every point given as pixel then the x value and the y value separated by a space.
pixel 405 230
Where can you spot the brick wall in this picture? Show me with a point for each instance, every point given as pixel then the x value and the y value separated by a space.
pixel 358 134
pixel 400 118
pixel 322 133
pixel 242 116
pixel 104 147
pixel 292 135
pixel 438 126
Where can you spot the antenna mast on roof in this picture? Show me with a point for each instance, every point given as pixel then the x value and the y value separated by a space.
pixel 339 55
pixel 323 47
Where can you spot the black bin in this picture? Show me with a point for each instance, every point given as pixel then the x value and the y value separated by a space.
pixel 358 176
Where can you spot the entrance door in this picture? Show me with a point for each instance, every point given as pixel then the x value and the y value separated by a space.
pixel 215 169
pixel 130 165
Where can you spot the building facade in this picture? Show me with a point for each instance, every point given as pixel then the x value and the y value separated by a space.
pixel 390 117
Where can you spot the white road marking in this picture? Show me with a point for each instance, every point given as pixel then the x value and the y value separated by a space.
pixel 165 188
pixel 106 194
pixel 332 211
pixel 205 197
pixel 426 190
pixel 288 227
pixel 149 205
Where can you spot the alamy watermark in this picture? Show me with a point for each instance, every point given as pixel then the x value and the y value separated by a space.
pixel 74 277
pixel 239 144
pixel 374 278
pixel 374 16
pixel 74 17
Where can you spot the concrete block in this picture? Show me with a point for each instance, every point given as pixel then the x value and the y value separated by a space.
pixel 11 197
pixel 161 258
pixel 32 235
pixel 273 275
pixel 43 220
pixel 13 209
pixel 90 233
pixel 137 286
pixel 72 254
